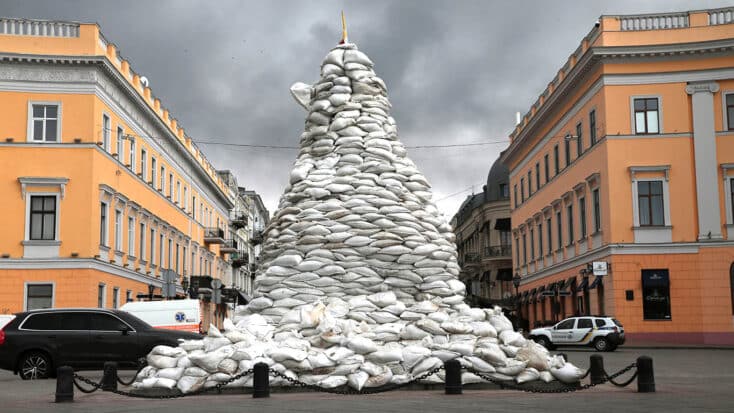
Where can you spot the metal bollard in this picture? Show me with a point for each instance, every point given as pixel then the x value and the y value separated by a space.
pixel 453 377
pixel 645 375
pixel 596 369
pixel 261 381
pixel 109 378
pixel 64 384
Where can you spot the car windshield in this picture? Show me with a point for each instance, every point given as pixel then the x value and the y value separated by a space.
pixel 617 322
pixel 134 321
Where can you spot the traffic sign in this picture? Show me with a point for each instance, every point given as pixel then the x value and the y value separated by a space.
pixel 168 289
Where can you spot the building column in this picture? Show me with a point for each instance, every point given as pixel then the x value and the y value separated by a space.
pixel 704 144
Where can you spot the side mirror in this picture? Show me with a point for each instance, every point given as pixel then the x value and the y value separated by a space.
pixel 125 330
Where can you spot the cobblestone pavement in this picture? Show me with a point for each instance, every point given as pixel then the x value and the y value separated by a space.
pixel 686 381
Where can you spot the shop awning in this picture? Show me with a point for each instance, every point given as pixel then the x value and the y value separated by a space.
pixel 655 278
pixel 532 293
pixel 598 281
pixel 503 224
pixel 504 274
pixel 569 283
pixel 584 284
pixel 524 296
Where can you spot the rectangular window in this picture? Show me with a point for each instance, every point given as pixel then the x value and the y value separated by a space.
pixel 524 250
pixel 532 244
pixel 183 257
pixel 185 199
pixel 120 145
pixel 143 163
pixel 118 230
pixel 130 236
pixel 505 238
pixel 128 296
pixel 582 216
pixel 161 248
pixel 193 206
pixel 106 130
pixel 730 111
pixel 170 254
pixel 650 203
pixel 142 241
pixel 153 170
pixel 170 186
pixel 597 210
pixel 115 297
pixel 522 189
pixel 555 159
pixel 592 128
pixel 504 191
pixel 546 168
pixel 103 224
pixel 567 150
pixel 101 292
pixel 39 296
pixel 517 250
pixel 530 183
pixel 646 116
pixel 43 218
pixel 540 240
pixel 537 176
pixel 152 246
pixel 549 230
pixel 163 179
pixel 569 216
pixel 178 192
pixel 514 192
pixel 132 155
pixel 579 139
pixel 193 262
pixel 45 126
pixel 177 258
pixel 559 229
pixel 656 294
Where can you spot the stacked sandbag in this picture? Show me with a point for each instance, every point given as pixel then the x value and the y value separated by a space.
pixel 358 283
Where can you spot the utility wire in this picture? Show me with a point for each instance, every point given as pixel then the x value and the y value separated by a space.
pixel 469 188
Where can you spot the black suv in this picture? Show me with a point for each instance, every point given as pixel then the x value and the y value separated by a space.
pixel 36 342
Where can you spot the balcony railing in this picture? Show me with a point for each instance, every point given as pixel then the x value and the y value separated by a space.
pixel 38 28
pixel 654 22
pixel 213 236
pixel 722 16
pixel 239 258
pixel 228 246
pixel 471 258
pixel 239 221
pixel 498 251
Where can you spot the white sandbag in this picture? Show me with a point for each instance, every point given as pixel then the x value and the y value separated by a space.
pixel 465 349
pixel 214 343
pixel 333 381
pixel 163 383
pixel 527 375
pixel 512 367
pixel 483 329
pixel 500 323
pixel 385 356
pixel 382 299
pixel 195 372
pixel 381 379
pixel 190 345
pixel 161 362
pixel 214 332
pixel 280 354
pixel 412 332
pixel 425 365
pixel 492 354
pixel 173 373
pixel 361 345
pixel 512 338
pixel 184 362
pixel 510 351
pixel 480 365
pixel 167 351
pixel 357 380
pixel 567 374
pixel 228 366
pixel 188 384
pixel 430 326
pixel 456 327
pixel 546 376
pixel 535 355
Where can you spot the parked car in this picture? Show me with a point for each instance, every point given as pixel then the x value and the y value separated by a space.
pixel 601 332
pixel 36 342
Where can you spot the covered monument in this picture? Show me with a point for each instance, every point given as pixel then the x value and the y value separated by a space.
pixel 358 279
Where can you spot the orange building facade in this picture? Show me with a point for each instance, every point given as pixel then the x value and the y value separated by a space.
pixel 102 189
pixel 627 160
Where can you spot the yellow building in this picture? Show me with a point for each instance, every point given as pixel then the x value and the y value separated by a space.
pixel 627 160
pixel 101 188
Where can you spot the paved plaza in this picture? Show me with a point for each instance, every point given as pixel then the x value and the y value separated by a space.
pixel 687 381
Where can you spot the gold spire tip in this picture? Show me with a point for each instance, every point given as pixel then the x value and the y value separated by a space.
pixel 345 38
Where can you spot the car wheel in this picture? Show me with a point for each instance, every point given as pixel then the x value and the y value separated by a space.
pixel 602 344
pixel 34 365
pixel 543 342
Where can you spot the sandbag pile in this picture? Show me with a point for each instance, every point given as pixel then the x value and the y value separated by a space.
pixel 320 344
pixel 358 280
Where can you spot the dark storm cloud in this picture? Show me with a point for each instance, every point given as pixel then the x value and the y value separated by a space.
pixel 457 71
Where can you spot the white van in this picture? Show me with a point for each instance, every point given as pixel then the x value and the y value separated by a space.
pixel 182 315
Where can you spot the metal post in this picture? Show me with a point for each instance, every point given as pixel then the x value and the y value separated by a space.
pixel 596 369
pixel 453 377
pixel 645 375
pixel 64 384
pixel 261 381
pixel 109 378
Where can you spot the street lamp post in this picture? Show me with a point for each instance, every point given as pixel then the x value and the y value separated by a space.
pixel 151 289
pixel 185 286
pixel 516 283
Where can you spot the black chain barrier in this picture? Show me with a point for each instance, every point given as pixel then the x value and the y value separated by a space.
pixel 217 388
pixel 506 385
pixel 135 376
pixel 350 391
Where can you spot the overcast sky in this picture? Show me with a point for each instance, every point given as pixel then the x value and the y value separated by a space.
pixel 456 71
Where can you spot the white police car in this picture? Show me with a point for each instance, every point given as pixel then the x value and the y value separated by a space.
pixel 602 333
